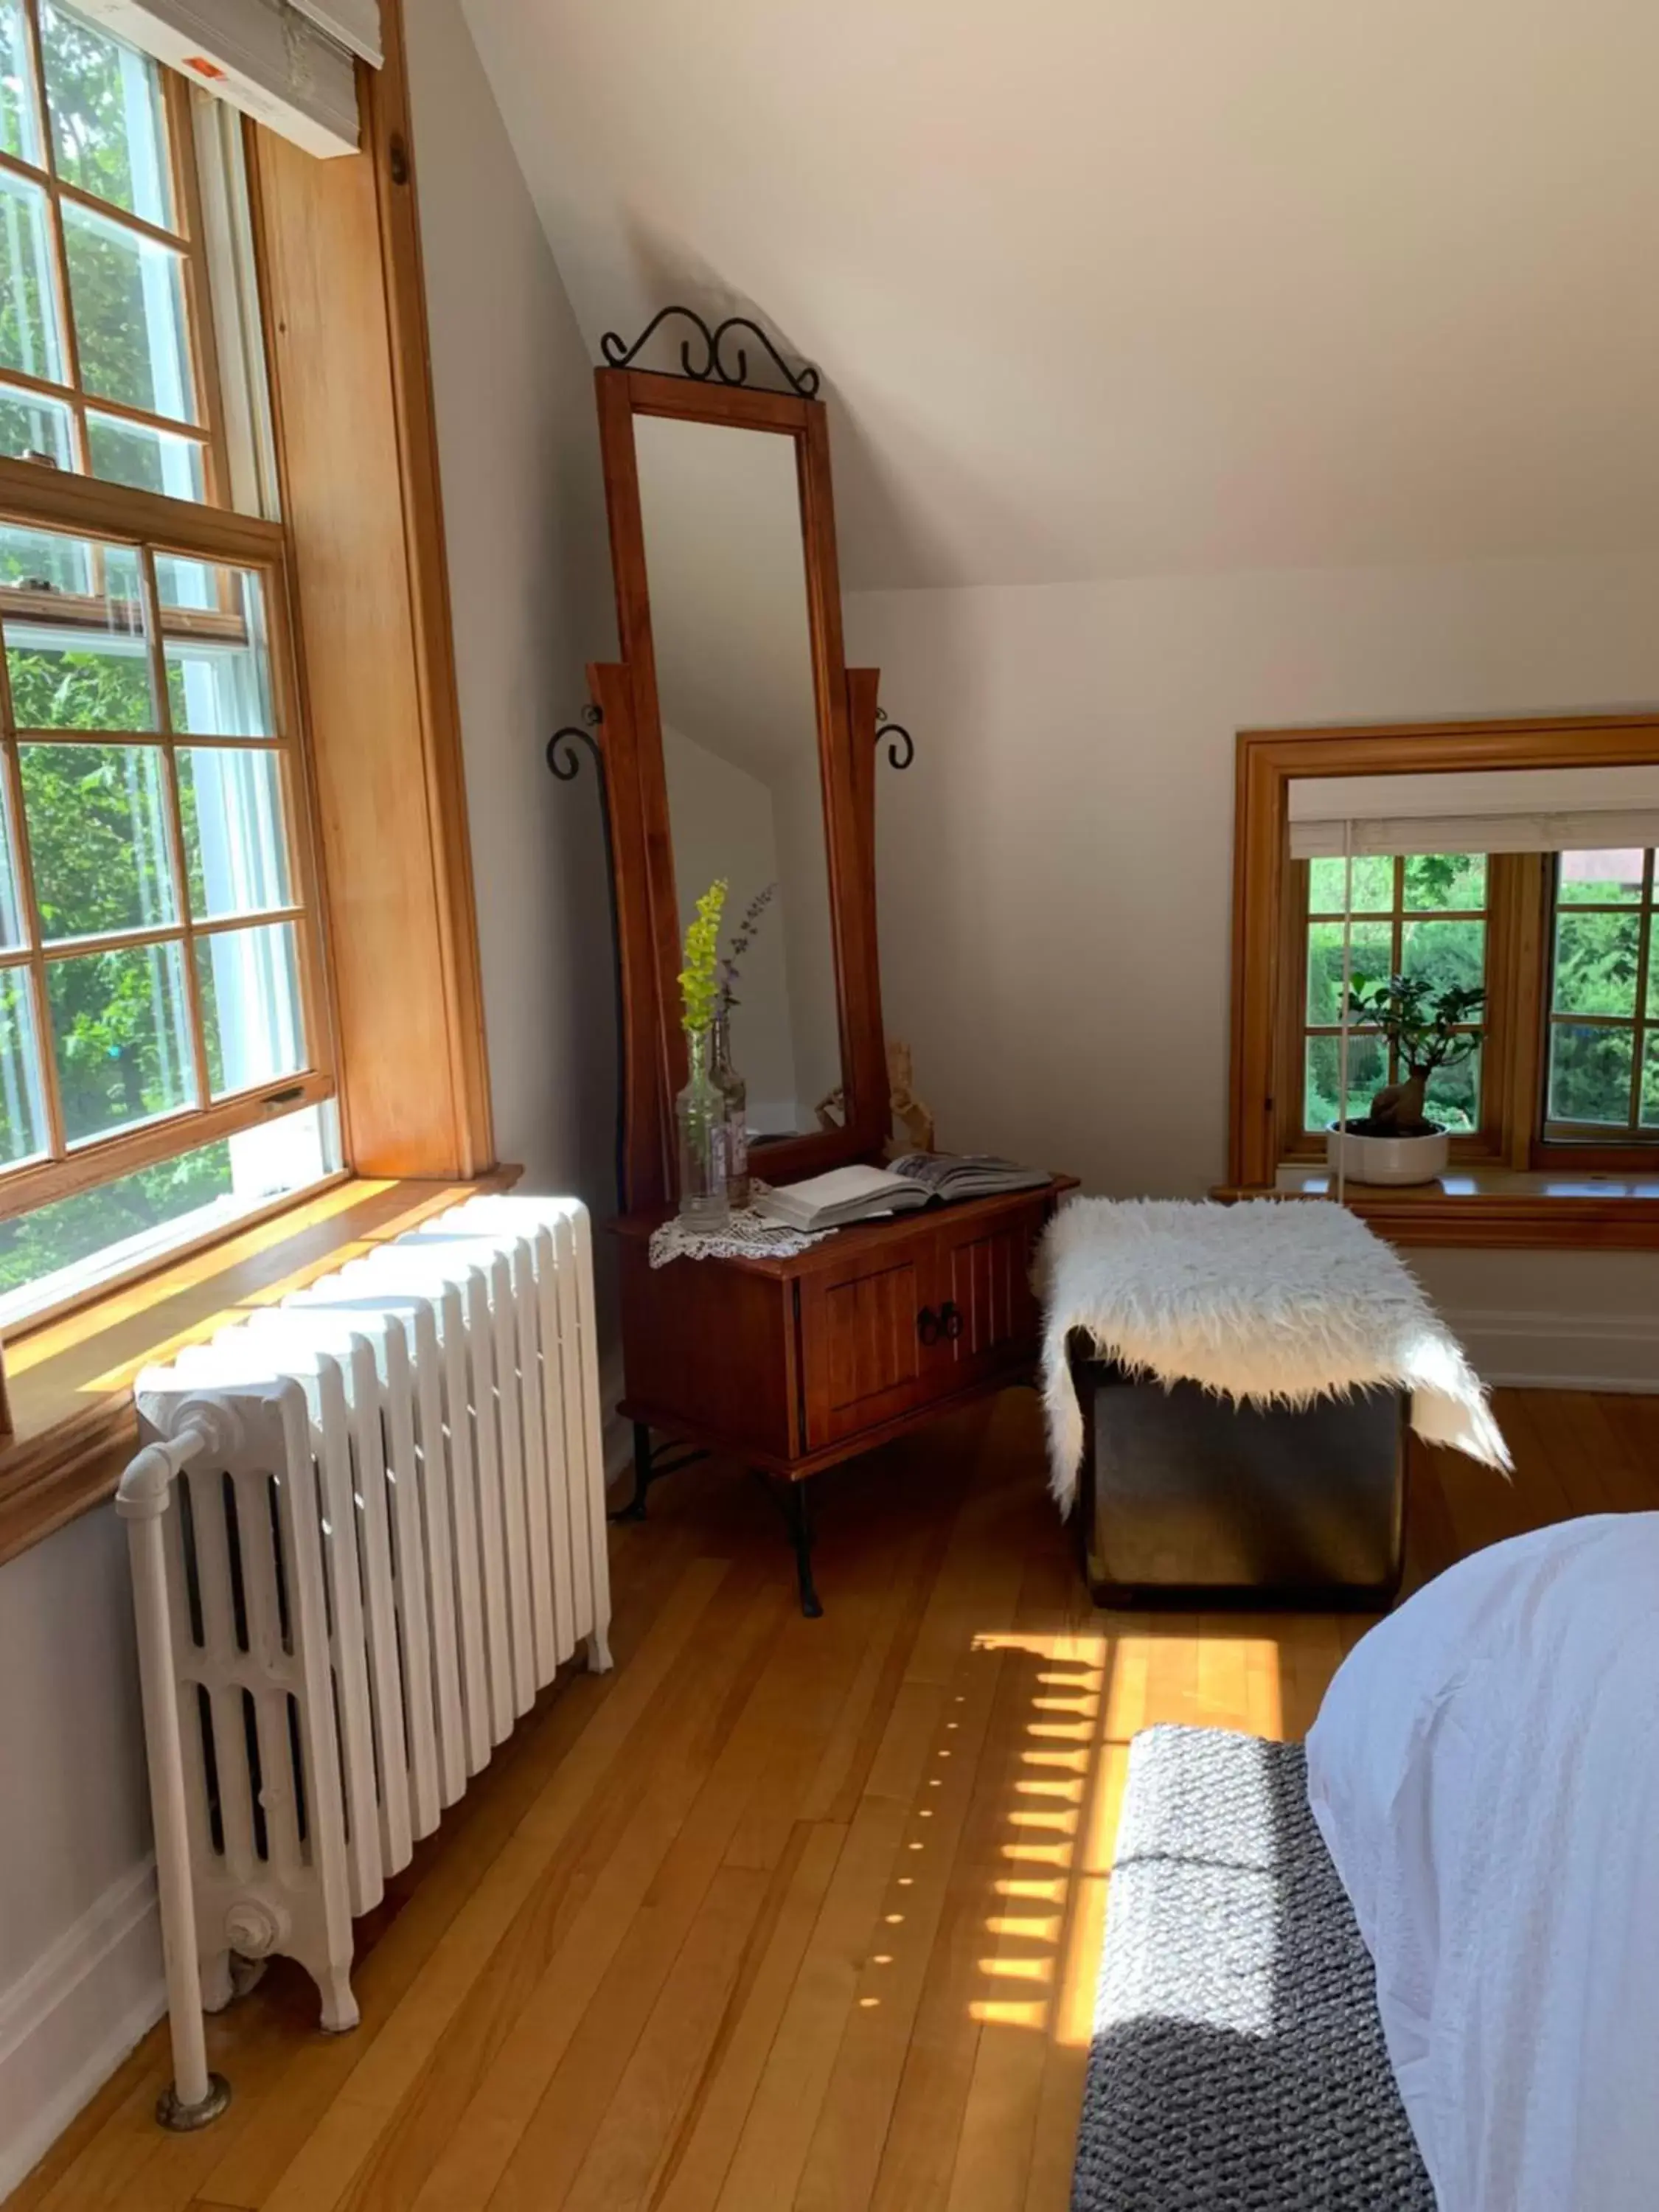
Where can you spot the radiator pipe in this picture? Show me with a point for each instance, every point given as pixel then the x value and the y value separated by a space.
pixel 143 1496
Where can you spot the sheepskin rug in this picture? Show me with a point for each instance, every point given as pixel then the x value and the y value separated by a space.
pixel 1266 1302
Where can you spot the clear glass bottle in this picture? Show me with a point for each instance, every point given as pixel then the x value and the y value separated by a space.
pixel 700 1115
pixel 735 1091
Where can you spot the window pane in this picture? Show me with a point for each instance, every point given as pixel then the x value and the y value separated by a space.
pixel 1653 966
pixel 1589 1074
pixel 235 854
pixel 13 934
pixel 1650 1082
pixel 1596 964
pixel 1373 885
pixel 29 311
pixel 1599 879
pixel 1368 1071
pixel 108 125
pixel 20 131
pixel 149 460
pixel 129 301
pixel 1445 883
pixel 96 817
pixel 66 1247
pixel 1448 953
pixel 33 428
pixel 218 668
pixel 120 1038
pixel 250 985
pixel 1454 1095
pixel 23 1114
pixel 1372 956
pixel 75 654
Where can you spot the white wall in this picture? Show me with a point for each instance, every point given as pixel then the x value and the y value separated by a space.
pixel 1055 868
pixel 80 1938
pixel 530 585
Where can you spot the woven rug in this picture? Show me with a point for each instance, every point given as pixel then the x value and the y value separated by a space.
pixel 1237 2063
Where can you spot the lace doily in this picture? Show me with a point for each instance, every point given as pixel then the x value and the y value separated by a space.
pixel 746 1236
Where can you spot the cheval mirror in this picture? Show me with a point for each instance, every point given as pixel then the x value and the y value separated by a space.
pixel 737 745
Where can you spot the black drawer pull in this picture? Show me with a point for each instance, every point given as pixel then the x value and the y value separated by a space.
pixel 929 1326
pixel 950 1320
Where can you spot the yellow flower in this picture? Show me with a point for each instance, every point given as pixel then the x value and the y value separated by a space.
pixel 696 979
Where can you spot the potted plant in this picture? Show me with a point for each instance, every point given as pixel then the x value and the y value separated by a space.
pixel 700 1110
pixel 1428 1026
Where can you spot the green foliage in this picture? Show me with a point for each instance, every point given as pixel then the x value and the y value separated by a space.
pixel 698 980
pixel 1424 1022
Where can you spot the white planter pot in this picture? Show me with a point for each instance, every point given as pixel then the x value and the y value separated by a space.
pixel 1386 1159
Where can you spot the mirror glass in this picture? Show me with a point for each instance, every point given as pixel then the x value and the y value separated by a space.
pixel 727 573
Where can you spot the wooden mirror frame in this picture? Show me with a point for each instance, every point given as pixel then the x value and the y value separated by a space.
pixel 652 1040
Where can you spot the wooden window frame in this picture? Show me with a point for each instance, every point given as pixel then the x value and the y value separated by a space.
pixel 1265 1115
pixel 361 548
pixel 1567 1143
pixel 130 519
pixel 1485 1143
pixel 208 431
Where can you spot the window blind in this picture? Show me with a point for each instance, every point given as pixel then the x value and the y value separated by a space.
pixel 290 64
pixel 1476 811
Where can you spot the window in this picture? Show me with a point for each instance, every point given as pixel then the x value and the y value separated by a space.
pixel 1603 1054
pixel 1422 915
pixel 164 1059
pixel 1476 863
pixel 106 344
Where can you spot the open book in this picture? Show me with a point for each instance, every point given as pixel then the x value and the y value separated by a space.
pixel 829 1202
pixel 952 1177
pixel 845 1194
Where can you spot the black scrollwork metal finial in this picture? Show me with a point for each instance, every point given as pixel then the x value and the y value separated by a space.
pixel 711 360
pixel 898 737
pixel 563 757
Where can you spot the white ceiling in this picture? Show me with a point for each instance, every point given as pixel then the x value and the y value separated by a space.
pixel 1127 286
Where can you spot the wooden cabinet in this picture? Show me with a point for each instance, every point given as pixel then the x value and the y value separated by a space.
pixel 796 1364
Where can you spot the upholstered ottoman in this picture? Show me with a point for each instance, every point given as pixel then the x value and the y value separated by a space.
pixel 1228 1390
pixel 1186 1498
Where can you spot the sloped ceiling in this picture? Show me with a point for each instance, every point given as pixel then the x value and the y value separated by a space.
pixel 1106 288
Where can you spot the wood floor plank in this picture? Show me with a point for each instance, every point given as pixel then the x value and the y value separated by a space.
pixel 336 2150
pixel 785 1916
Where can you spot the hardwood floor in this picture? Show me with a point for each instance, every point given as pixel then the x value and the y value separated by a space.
pixel 783 1913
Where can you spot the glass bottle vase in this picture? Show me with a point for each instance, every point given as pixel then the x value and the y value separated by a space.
pixel 735 1091
pixel 700 1118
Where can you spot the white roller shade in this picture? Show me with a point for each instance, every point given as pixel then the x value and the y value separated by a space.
pixel 1548 810
pixel 288 63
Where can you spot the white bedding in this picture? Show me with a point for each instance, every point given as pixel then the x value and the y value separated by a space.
pixel 1484 1771
pixel 1267 1302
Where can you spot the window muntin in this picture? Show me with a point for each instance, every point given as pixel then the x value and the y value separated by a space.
pixel 1419 913
pixel 158 951
pixel 105 340
pixel 1601 1076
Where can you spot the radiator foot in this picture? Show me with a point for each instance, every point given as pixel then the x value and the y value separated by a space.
pixel 599 1661
pixel 184 2119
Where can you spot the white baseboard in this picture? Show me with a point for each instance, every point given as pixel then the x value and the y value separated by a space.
pixel 68 2022
pixel 1534 1350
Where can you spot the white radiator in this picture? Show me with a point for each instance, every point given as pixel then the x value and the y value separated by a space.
pixel 367 1526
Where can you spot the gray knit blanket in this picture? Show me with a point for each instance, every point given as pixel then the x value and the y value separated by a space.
pixel 1238 2063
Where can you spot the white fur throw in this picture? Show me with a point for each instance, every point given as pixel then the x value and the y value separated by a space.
pixel 1269 1303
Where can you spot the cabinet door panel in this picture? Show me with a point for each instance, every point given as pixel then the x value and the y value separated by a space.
pixel 863 1355
pixel 986 1279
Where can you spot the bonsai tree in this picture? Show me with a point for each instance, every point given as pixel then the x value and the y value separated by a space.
pixel 1429 1028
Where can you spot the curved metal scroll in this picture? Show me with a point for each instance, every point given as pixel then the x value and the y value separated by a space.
pixel 898 737
pixel 566 763
pixel 710 360
pixel 564 759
